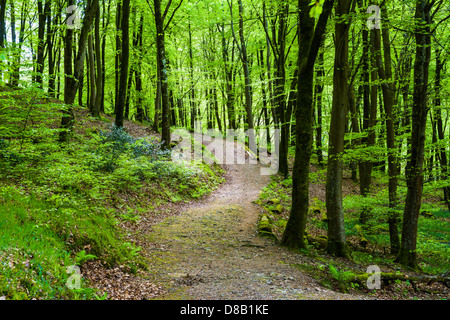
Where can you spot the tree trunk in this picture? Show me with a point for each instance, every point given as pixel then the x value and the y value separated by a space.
pixel 229 81
pixel 138 74
pixel 370 99
pixel 264 96
pixel 248 85
pixel 118 55
pixel 68 117
pixel 105 25
pixel 71 81
pixel 279 91
pixel 192 102
pixel 414 173
pixel 51 52
pixel 92 79
pixel 40 60
pixel 310 38
pixel 124 64
pixel 13 78
pixel 163 74
pixel 336 228
pixel 320 76
pixel 98 59
pixel 388 89
pixel 440 127
pixel 2 23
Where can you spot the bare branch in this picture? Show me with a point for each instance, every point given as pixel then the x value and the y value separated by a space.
pixel 173 14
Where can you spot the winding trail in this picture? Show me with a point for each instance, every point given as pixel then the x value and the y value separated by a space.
pixel 211 249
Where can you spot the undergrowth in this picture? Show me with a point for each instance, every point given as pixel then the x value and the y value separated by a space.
pixel 62 204
pixel 370 241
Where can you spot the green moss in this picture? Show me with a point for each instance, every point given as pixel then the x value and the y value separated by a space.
pixel 273 201
pixel 265 228
pixel 278 209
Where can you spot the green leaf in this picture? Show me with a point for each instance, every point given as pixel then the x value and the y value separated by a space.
pixel 317 9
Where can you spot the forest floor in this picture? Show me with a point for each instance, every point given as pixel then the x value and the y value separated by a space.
pixel 193 249
pixel 210 250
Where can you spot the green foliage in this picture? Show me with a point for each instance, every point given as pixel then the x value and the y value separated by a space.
pixel 434 228
pixel 82 257
pixel 62 205
pixel 342 277
pixel 25 119
pixel 35 267
pixel 433 233
pixel 316 9
pixel 117 142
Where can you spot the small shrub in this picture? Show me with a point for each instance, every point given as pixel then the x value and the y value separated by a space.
pixel 116 142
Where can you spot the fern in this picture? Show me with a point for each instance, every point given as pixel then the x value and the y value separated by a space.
pixel 82 257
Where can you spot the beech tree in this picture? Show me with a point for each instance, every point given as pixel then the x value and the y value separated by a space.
pixel 124 63
pixel 310 37
pixel 414 180
pixel 336 228
pixel 72 78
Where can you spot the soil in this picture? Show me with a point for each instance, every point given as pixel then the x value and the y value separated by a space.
pixel 211 249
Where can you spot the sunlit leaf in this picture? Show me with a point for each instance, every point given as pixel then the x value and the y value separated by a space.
pixel 317 9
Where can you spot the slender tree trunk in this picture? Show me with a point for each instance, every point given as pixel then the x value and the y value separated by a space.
pixel 50 53
pixel 71 81
pixel 88 83
pixel 138 74
pixel 320 76
pixel 229 80
pixel 163 74
pixel 68 117
pixel 2 32
pixel 310 38
pixel 2 23
pixel 13 77
pixel 279 90
pixel 388 89
pixel 98 60
pixel 370 99
pixel 336 229
pixel 440 127
pixel 91 75
pixel 105 25
pixel 248 85
pixel 264 96
pixel 118 56
pixel 192 94
pixel 414 173
pixel 40 60
pixel 124 64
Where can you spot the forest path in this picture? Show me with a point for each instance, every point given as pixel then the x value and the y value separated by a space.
pixel 211 249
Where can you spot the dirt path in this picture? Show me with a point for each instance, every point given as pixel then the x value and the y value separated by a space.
pixel 211 250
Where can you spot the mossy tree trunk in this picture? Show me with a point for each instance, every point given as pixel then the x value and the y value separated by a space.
pixel 310 39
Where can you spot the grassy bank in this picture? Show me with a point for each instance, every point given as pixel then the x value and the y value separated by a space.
pixel 63 204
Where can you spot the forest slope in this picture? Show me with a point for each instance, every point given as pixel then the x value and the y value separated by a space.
pixel 62 205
